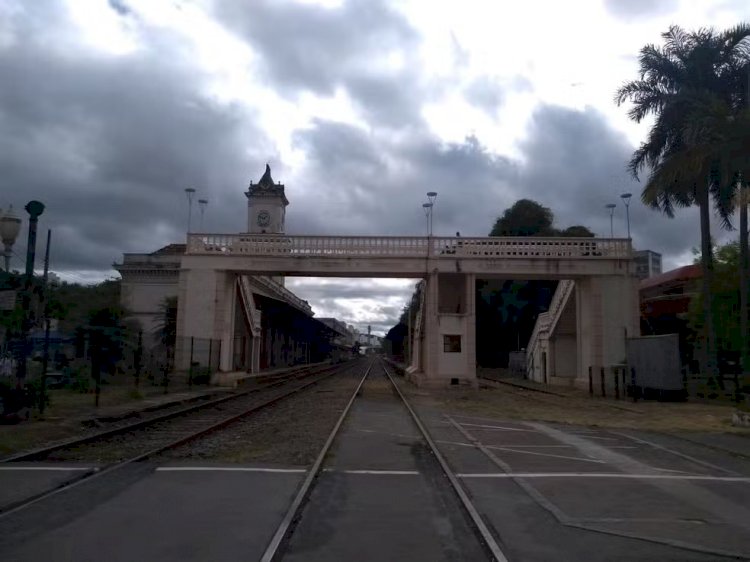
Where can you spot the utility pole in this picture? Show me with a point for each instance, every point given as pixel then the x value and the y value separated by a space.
pixel 35 209
pixel 45 357
pixel 744 265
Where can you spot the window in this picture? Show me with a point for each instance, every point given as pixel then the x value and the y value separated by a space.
pixel 451 344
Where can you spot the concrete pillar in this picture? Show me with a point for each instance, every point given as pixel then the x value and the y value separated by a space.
pixel 430 328
pixel 255 355
pixel 205 310
pixel 471 326
pixel 450 315
pixel 607 313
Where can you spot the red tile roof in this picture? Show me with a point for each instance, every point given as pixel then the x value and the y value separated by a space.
pixel 681 274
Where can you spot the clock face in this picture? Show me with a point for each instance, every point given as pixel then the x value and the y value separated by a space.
pixel 264 218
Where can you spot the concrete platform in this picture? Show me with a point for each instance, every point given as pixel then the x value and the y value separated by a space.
pixel 561 492
pixel 20 481
pixel 167 515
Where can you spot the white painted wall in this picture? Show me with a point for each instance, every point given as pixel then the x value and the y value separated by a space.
pixel 143 300
pixel 452 364
pixel 564 356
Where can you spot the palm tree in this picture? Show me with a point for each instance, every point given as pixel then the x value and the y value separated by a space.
pixel 692 86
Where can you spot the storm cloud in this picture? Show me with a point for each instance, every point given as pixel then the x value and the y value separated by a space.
pixel 110 140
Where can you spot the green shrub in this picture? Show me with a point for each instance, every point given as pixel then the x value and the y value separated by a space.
pixel 80 378
pixel 201 375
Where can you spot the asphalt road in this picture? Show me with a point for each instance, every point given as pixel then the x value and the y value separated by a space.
pixel 547 492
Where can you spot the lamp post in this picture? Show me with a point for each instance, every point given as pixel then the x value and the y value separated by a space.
pixel 202 203
pixel 428 215
pixel 626 199
pixel 35 209
pixel 10 226
pixel 431 196
pixel 190 192
pixel 611 207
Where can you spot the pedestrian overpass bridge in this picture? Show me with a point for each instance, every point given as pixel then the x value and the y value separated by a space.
pixel 599 296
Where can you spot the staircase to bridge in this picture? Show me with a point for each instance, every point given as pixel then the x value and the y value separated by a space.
pixel 538 348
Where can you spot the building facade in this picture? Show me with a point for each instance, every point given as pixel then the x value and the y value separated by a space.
pixel 269 326
pixel 647 263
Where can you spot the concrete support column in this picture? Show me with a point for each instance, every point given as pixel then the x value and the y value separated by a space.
pixel 449 354
pixel 205 310
pixel 607 313
pixel 430 328
pixel 277 342
pixel 471 326
pixel 255 354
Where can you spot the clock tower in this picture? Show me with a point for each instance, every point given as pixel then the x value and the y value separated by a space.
pixel 266 206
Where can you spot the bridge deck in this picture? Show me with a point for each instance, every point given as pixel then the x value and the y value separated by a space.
pixel 409 256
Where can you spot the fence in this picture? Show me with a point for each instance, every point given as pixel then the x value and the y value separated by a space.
pixel 612 381
pixel 203 356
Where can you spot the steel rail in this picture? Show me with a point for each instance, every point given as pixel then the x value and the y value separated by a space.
pixel 272 550
pixel 41 452
pixel 479 525
pixel 97 472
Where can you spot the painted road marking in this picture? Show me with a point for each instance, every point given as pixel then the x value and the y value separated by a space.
pixel 742 479
pixel 503 428
pixel 378 472
pixel 513 449
pixel 402 435
pixel 532 446
pixel 60 468
pixel 228 469
pixel 535 453
pixel 676 453
pixel 280 470
pixel 494 420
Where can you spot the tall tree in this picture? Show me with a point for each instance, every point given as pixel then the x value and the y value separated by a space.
pixel 524 218
pixel 577 231
pixel 682 84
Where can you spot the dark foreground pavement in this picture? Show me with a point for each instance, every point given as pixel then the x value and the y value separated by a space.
pixel 548 492
pixel 382 496
pixel 555 492
pixel 149 515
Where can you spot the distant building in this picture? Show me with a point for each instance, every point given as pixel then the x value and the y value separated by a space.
pixel 647 263
pixel 665 303
pixel 369 340
pixel 266 324
pixel 344 335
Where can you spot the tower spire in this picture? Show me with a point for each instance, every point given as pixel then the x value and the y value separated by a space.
pixel 266 180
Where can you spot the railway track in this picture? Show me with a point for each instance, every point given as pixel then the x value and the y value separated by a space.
pixel 121 446
pixel 284 533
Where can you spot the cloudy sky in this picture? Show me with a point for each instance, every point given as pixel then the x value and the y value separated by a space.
pixel 109 110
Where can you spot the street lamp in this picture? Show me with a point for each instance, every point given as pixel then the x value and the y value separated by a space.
pixel 428 215
pixel 611 207
pixel 202 203
pixel 35 209
pixel 431 196
pixel 10 226
pixel 626 199
pixel 190 192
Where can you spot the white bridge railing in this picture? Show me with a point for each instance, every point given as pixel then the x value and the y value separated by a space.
pixel 406 246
